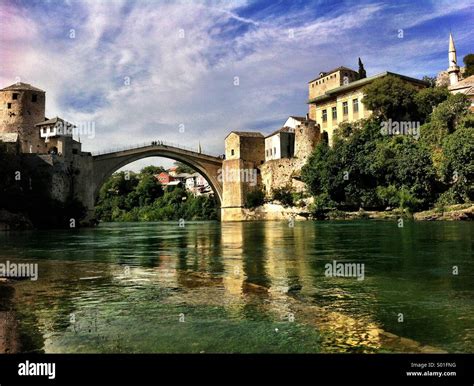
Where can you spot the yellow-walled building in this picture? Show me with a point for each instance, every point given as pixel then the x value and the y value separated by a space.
pixel 336 97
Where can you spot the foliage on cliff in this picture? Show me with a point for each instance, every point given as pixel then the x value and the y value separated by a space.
pixel 129 196
pixel 366 168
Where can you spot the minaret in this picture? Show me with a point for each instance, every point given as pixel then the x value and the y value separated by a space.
pixel 453 69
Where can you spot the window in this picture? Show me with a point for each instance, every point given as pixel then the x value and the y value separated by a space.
pixel 232 152
pixel 270 151
pixel 334 114
pixel 34 98
pixel 355 105
pixel 274 150
pixel 325 115
pixel 9 105
pixel 345 108
pixel 15 96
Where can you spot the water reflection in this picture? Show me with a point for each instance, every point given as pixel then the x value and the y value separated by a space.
pixel 241 287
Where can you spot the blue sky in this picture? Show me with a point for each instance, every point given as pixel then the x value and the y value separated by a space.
pixel 140 69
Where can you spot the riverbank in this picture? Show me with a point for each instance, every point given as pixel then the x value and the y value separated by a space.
pixel 460 212
pixel 277 212
pixel 273 211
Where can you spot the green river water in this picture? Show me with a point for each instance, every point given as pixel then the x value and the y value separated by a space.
pixel 241 287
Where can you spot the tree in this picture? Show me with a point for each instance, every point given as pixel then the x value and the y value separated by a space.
pixel 428 98
pixel 183 168
pixel 445 118
pixel 391 98
pixel 469 64
pixel 366 169
pixel 362 73
pixel 457 166
pixel 431 80
pixel 152 170
pixel 284 195
pixel 148 189
pixel 254 198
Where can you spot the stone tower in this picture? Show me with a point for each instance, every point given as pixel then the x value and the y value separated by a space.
pixel 21 107
pixel 453 69
pixel 307 136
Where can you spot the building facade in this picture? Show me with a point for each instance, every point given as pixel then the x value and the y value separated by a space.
pixel 332 103
pixel 280 144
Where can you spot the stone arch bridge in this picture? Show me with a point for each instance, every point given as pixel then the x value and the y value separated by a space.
pixel 105 164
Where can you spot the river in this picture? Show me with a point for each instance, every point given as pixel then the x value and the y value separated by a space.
pixel 241 287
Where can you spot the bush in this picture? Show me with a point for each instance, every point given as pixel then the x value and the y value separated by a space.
pixel 283 195
pixel 254 198
pixel 322 205
pixel 408 200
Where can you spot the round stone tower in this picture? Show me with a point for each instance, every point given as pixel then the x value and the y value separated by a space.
pixel 307 135
pixel 21 107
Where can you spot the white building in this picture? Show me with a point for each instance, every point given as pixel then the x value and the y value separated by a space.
pixel 280 144
pixel 293 121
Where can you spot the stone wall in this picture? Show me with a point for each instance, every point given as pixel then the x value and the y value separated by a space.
pixel 281 173
pixel 59 176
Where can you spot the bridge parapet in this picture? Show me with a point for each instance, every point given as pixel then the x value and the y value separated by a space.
pixel 153 144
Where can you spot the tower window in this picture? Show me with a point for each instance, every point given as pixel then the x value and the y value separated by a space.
pixel 232 152
pixel 334 114
pixel 34 98
pixel 15 96
pixel 9 105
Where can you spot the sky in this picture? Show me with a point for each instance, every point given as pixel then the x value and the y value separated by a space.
pixel 189 72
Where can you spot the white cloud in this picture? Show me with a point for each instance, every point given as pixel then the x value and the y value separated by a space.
pixel 188 80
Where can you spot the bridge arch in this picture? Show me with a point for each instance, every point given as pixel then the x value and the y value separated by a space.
pixel 104 165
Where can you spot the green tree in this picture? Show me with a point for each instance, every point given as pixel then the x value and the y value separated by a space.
pixel 254 198
pixel 469 64
pixel 148 189
pixel 152 170
pixel 391 98
pixel 284 195
pixel 366 169
pixel 457 166
pixel 445 118
pixel 431 80
pixel 183 168
pixel 428 98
